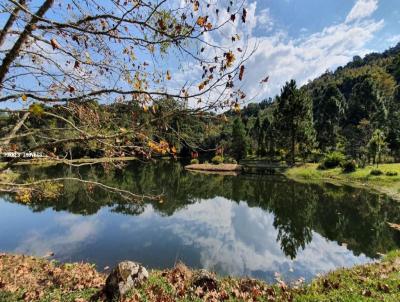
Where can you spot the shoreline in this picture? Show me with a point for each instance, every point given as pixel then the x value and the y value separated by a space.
pixel 27 278
pixel 361 178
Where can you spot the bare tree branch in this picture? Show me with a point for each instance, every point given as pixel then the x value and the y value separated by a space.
pixel 14 52
pixel 10 21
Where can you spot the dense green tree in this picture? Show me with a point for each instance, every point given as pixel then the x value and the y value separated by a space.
pixel 366 103
pixel 393 136
pixel 293 117
pixel 394 68
pixel 239 146
pixel 269 139
pixel 357 138
pixel 329 109
pixel 257 136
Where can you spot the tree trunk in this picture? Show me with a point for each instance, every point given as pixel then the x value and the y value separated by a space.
pixel 15 50
pixel 10 22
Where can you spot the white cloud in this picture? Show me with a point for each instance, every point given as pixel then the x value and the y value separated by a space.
pixel 394 39
pixel 241 241
pixel 362 9
pixel 302 58
pixel 265 20
pixel 75 232
pixel 284 58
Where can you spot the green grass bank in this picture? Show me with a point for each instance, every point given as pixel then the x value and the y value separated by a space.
pixel 362 177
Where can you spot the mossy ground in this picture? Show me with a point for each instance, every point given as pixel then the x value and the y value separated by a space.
pixel 25 278
pixel 361 177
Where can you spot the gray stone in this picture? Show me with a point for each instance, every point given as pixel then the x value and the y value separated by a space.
pixel 124 277
pixel 204 280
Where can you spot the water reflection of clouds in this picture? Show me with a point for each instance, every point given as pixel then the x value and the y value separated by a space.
pixel 63 236
pixel 240 240
pixel 222 235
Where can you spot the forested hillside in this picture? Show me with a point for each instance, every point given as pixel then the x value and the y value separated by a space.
pixel 354 110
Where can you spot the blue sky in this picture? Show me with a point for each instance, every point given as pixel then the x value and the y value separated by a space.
pixel 301 39
pixel 302 17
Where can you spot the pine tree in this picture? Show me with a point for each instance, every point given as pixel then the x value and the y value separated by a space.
pixel 329 109
pixel 257 135
pixel 239 145
pixel 293 118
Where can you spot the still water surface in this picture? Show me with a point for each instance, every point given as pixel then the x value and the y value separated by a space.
pixel 239 225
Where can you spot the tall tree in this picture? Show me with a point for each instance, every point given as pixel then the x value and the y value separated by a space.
pixel 393 136
pixel 269 139
pixel 329 109
pixel 293 117
pixel 377 146
pixel 239 146
pixel 257 136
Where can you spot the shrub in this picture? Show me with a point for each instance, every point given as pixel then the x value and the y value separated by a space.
pixel 230 160
pixel 216 160
pixel 332 160
pixel 315 157
pixel 376 172
pixel 391 173
pixel 194 161
pixel 349 166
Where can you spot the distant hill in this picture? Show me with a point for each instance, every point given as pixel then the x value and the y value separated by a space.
pixel 349 105
pixel 389 61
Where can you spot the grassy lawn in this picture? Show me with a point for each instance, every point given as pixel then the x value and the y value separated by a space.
pixel 24 278
pixel 386 184
pixel 372 282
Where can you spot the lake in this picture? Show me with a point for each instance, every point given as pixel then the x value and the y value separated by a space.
pixel 239 225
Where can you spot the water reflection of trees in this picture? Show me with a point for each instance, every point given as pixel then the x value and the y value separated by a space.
pixel 344 214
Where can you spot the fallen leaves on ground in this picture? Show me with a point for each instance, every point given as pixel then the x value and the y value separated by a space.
pixel 34 276
pixel 36 279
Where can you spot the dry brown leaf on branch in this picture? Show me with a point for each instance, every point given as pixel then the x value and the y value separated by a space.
pixel 201 21
pixel 241 72
pixel 244 15
pixel 196 5
pixel 55 44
